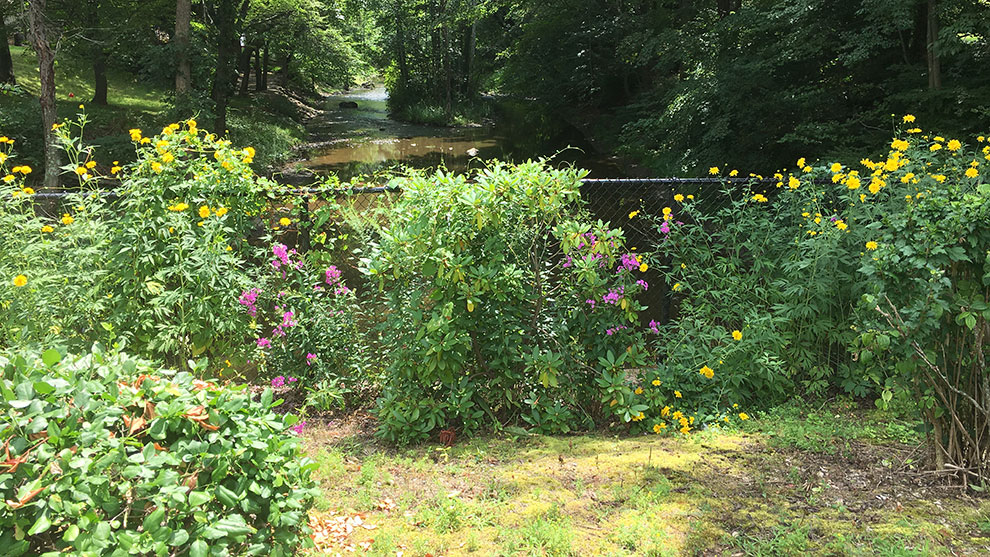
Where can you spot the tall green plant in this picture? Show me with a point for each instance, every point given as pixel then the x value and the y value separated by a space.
pixel 502 298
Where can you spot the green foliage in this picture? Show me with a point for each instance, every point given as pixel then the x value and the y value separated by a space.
pixel 178 257
pixel 926 313
pixel 113 454
pixel 499 289
pixel 64 290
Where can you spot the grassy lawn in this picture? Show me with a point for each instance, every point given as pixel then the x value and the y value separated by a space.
pixel 793 482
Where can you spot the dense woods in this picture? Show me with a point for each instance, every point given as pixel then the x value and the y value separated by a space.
pixel 671 84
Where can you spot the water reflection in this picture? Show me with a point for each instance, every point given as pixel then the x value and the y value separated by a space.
pixel 364 140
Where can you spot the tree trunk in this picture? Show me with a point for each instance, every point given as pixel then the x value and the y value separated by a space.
pixel 448 78
pixel 934 64
pixel 46 70
pixel 257 69
pixel 6 63
pixel 183 71
pixel 469 48
pixel 263 74
pixel 99 55
pixel 223 72
pixel 244 63
pixel 400 39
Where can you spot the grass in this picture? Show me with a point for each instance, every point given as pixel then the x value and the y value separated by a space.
pixel 715 493
pixel 265 122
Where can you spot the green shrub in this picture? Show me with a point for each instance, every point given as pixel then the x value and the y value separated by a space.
pixel 109 455
pixel 52 282
pixel 180 251
pixel 926 313
pixel 499 290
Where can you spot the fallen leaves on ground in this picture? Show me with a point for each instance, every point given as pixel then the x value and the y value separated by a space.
pixel 331 532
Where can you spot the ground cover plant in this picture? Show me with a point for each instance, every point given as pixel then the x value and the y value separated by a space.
pixel 105 454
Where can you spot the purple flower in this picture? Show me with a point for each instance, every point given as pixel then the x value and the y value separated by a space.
pixel 298 428
pixel 332 275
pixel 644 284
pixel 278 381
pixel 281 253
pixel 309 358
pixel 590 303
pixel 264 342
pixel 614 330
pixel 654 327
pixel 293 379
pixel 248 299
pixel 613 296
pixel 665 227
pixel 287 319
pixel 629 262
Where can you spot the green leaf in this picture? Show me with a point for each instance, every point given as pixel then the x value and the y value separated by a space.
pixel 40 525
pixel 198 548
pixel 51 357
pixel 197 498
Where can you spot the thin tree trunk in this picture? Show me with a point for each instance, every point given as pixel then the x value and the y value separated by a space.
pixel 257 69
pixel 99 55
pixel 183 71
pixel 934 64
pixel 448 77
pixel 263 84
pixel 46 70
pixel 400 39
pixel 6 62
pixel 244 63
pixel 469 48
pixel 223 74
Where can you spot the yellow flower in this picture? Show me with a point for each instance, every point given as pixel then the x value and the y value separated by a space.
pixel 737 334
pixel 685 430
pixel 656 383
pixel 30 191
pixel 178 207
pixel 67 219
pixel 80 170
pixel 677 415
pixel 643 267
pixel 167 158
pixel 285 221
pixel 836 168
pixel 8 178
pixel 759 198
pixel 907 177
pixel 639 417
pixel 249 151
pixel 678 198
pixel 899 144
pixel 841 225
pixel 115 169
pixel 972 172
pixel 940 178
pixel 666 211
pixel 204 211
pixel 633 214
pixel 818 220
pixel 639 390
pixel 145 140
pixel 20 280
pixel 665 412
pixel 935 147
pixel 707 372
pixel 713 170
pixel 800 162
pixel 690 196
pixel 908 118
pixel 135 134
pixel 677 394
pixel 793 183
pixel 871 245
pixel 953 145
pixel 47 228
pixel 25 170
pixel 852 183
pixel 220 211
pixel 228 248
pixel 914 130
pixel 156 166
pixel 743 416
pixel 676 287
pixel 734 173
pixel 658 428
pixel 876 184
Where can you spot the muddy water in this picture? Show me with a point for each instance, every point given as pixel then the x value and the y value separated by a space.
pixel 364 140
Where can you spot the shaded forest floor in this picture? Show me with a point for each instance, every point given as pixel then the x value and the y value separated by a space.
pixel 835 481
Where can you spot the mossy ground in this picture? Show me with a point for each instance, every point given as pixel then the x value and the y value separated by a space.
pixel 740 492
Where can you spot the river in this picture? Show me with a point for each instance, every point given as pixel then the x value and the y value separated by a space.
pixel 365 140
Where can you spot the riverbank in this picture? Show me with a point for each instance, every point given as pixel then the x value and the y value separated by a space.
pixel 273 121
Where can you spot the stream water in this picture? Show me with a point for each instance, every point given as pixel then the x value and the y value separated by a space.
pixel 364 140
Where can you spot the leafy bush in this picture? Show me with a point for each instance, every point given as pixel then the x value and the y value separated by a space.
pixel 52 283
pixel 928 271
pixel 180 250
pixel 305 322
pixel 109 455
pixel 498 291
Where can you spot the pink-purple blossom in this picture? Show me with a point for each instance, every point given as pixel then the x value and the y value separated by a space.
pixel 644 284
pixel 249 299
pixel 298 428
pixel 278 381
pixel 309 358
pixel 264 342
